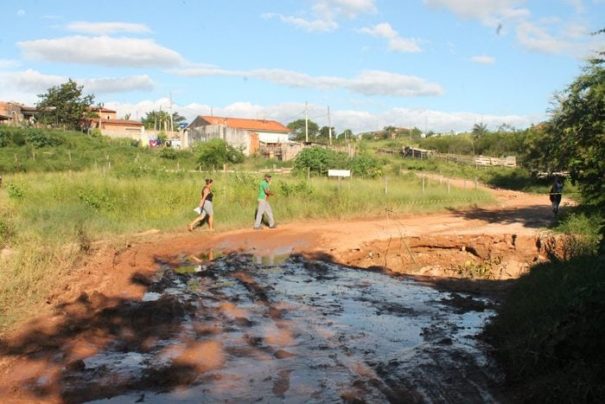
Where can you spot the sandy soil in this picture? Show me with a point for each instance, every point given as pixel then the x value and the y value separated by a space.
pixel 498 242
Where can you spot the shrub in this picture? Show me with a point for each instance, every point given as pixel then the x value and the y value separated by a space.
pixel 216 152
pixel 14 191
pixel 366 166
pixel 319 160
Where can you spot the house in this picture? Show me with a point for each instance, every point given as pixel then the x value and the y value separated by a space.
pixel 253 136
pixel 16 114
pixel 109 125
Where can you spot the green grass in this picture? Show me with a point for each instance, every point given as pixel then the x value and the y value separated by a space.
pixel 40 150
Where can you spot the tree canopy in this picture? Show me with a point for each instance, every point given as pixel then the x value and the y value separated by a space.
pixel 160 120
pixel 216 152
pixel 298 128
pixel 65 106
pixel 574 137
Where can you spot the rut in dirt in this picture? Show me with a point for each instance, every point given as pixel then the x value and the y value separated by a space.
pixel 249 328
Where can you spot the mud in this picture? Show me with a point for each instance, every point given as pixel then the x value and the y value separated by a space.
pixel 251 328
pixel 495 257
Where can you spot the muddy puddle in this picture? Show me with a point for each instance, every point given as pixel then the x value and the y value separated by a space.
pixel 241 328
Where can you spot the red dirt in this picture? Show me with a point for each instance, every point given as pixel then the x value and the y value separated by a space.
pixel 504 238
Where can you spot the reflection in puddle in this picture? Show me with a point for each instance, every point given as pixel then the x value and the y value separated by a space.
pixel 283 328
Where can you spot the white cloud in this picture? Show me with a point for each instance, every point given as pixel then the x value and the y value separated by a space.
pixel 489 12
pixel 578 5
pixel 29 81
pixel 326 13
pixel 356 120
pixel 396 42
pixel 8 63
pixel 550 35
pixel 104 28
pixel 483 59
pixel 536 38
pixel 102 50
pixel 317 25
pixel 26 85
pixel 347 8
pixel 576 31
pixel 117 84
pixel 371 82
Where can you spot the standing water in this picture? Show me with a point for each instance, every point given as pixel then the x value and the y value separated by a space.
pixel 247 329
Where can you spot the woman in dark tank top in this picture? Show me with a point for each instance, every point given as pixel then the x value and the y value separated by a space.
pixel 206 208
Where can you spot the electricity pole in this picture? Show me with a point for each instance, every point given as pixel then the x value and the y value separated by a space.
pixel 329 126
pixel 171 121
pixel 306 124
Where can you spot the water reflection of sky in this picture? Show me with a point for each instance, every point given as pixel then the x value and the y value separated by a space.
pixel 337 329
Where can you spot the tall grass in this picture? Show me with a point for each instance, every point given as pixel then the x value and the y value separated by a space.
pixel 47 220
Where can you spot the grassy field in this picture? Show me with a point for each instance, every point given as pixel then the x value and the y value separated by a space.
pixel 48 220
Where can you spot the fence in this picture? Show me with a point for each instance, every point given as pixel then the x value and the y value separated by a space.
pixel 484 161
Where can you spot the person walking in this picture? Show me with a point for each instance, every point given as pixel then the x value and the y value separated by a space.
pixel 205 207
pixel 555 194
pixel 264 192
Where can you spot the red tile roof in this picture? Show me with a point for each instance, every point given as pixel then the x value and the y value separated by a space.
pixel 261 125
pixel 102 109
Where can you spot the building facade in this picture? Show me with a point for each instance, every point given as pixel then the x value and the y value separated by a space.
pixel 253 136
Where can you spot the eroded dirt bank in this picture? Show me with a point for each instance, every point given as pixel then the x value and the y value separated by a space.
pixel 99 311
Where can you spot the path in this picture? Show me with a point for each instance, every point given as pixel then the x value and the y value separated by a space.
pixel 39 351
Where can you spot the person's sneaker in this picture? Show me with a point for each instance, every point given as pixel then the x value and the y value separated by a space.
pixel 273 227
pixel 256 228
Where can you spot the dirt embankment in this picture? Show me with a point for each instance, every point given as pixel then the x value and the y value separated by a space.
pixel 494 243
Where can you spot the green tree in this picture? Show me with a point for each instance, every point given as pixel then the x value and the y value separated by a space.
pixel 578 125
pixel 390 132
pixel 178 120
pixel 479 129
pixel 65 106
pixel 156 120
pixel 216 152
pixel 574 138
pixel 298 129
pixel 324 132
pixel 346 135
pixel 319 160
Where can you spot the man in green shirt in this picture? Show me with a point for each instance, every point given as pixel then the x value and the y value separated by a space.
pixel 263 203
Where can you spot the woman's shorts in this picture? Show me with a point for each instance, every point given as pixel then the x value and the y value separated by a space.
pixel 208 208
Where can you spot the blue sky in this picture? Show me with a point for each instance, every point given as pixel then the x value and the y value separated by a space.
pixel 440 65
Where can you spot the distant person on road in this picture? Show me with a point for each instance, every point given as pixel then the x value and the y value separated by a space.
pixel 555 194
pixel 205 207
pixel 264 192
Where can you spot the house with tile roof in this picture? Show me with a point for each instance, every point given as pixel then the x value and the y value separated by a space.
pixel 109 125
pixel 14 113
pixel 253 136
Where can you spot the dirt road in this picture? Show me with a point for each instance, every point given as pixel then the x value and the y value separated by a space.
pixel 99 310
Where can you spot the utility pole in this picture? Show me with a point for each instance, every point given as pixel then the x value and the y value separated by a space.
pixel 171 121
pixel 306 124
pixel 329 126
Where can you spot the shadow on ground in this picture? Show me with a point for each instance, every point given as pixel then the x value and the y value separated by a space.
pixel 535 217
